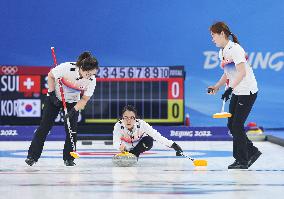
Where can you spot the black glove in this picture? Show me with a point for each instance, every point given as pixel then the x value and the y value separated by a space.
pixel 54 100
pixel 70 114
pixel 210 90
pixel 177 148
pixel 226 95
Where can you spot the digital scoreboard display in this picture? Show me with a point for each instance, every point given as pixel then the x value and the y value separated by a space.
pixel 156 92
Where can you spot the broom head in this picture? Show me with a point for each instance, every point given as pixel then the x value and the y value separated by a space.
pixel 200 163
pixel 222 115
pixel 74 154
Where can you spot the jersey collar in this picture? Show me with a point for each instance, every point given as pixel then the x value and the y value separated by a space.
pixel 228 45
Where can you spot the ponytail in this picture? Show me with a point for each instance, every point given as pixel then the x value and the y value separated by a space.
pixel 235 39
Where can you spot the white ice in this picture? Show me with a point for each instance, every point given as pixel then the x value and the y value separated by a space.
pixel 158 174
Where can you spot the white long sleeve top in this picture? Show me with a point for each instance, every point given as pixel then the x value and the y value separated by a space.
pixel 130 138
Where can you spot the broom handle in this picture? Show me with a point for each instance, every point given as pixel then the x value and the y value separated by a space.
pixel 63 102
pixel 223 106
pixel 192 159
pixel 224 102
pixel 65 112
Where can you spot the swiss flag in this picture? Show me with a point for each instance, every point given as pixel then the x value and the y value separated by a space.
pixel 29 83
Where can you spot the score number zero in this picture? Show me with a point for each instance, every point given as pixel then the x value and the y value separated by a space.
pixel 175 93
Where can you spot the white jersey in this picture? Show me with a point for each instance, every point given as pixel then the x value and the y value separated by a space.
pixel 230 56
pixel 70 72
pixel 121 135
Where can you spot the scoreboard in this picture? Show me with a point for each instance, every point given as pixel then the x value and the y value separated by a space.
pixel 22 91
pixel 156 92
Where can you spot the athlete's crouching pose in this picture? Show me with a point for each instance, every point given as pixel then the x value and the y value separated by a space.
pixel 136 136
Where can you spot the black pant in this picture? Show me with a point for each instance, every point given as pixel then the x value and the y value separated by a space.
pixel 50 112
pixel 145 144
pixel 240 107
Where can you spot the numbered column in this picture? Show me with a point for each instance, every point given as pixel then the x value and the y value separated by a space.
pixel 175 100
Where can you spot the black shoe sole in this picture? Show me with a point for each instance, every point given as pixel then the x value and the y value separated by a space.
pixel 254 158
pixel 238 167
pixel 69 164
pixel 233 165
pixel 30 162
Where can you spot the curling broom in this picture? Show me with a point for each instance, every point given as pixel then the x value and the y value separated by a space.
pixel 74 154
pixel 223 114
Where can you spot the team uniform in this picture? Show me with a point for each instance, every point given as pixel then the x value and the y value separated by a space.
pixel 70 73
pixel 241 103
pixel 139 139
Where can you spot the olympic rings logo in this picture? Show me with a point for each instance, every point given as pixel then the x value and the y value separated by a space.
pixel 9 70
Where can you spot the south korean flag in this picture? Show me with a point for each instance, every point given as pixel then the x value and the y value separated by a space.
pixel 29 108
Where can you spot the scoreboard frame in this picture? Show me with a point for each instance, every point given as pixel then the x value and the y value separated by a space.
pixel 173 76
